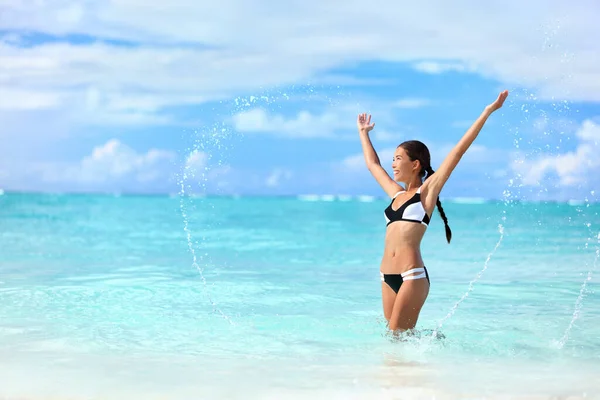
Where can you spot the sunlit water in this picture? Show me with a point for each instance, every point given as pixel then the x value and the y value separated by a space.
pixel 169 297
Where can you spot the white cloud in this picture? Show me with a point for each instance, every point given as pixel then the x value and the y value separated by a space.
pixel 195 55
pixel 196 161
pixel 411 103
pixel 201 174
pixel 278 175
pixel 187 53
pixel 109 163
pixel 589 132
pixel 572 168
pixel 114 104
pixel 202 177
pixel 335 122
pixel 20 99
pixel 302 125
pixel 432 67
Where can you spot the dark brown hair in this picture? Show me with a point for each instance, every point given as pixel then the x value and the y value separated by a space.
pixel 417 150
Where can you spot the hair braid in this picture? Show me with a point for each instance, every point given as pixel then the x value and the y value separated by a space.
pixel 438 203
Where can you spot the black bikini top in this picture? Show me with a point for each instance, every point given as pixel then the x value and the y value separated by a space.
pixel 412 210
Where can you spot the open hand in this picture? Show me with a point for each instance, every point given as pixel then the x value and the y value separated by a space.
pixel 364 122
pixel 499 102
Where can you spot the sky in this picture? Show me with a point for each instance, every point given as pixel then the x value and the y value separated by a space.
pixel 261 97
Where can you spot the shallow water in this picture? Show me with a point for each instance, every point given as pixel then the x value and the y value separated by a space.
pixel 100 297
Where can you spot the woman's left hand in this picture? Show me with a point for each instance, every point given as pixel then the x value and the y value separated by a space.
pixel 498 103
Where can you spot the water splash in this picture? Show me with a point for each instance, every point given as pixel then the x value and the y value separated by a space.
pixel 509 198
pixel 214 141
pixel 196 158
pixel 582 292
pixel 195 258
pixel 471 284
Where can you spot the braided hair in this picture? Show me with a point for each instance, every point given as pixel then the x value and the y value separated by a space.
pixel 417 150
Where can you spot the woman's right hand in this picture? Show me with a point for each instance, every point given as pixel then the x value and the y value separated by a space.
pixel 364 123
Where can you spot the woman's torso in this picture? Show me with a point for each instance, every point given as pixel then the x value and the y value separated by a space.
pixel 407 222
pixel 402 249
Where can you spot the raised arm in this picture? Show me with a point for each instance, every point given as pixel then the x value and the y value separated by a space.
pixel 373 164
pixel 433 186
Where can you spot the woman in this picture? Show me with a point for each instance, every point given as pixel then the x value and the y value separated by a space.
pixel 405 280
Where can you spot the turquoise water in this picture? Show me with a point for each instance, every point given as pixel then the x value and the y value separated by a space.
pixel 171 297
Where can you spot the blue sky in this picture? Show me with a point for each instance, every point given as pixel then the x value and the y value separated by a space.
pixel 262 99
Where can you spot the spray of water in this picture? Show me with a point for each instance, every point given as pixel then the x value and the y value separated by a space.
pixel 195 258
pixel 582 292
pixel 471 284
pixel 578 304
pixel 211 140
pixel 563 108
pixel 508 199
pixel 196 159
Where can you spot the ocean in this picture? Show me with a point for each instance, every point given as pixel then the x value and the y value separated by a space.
pixel 180 297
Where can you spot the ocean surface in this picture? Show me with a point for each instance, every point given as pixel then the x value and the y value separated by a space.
pixel 170 297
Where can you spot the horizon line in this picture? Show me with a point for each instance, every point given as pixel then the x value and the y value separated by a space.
pixel 301 196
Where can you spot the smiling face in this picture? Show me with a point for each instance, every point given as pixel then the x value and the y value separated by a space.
pixel 405 169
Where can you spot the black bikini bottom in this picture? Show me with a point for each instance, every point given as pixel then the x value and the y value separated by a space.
pixel 395 280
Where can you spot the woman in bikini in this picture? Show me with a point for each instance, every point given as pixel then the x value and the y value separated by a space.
pixel 405 279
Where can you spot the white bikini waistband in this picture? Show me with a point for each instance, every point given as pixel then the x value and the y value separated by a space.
pixel 405 276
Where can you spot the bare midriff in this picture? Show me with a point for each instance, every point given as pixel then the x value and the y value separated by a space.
pixel 402 250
